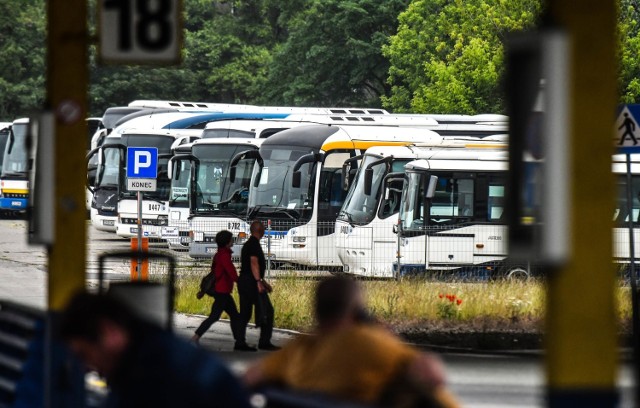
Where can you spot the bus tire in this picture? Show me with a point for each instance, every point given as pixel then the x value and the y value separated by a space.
pixel 514 272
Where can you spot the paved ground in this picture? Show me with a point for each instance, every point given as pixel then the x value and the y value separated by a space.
pixel 479 380
pixel 23 280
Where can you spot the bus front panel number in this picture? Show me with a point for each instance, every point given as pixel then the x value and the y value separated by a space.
pixel 140 29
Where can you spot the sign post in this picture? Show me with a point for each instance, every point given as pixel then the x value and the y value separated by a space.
pixel 142 172
pixel 627 134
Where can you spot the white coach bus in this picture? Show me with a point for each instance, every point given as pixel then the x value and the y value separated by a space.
pixel 297 189
pixel 470 176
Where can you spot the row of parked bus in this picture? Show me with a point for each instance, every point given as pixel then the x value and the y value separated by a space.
pixel 293 168
pixel 357 190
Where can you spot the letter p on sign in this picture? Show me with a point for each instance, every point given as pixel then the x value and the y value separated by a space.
pixel 142 162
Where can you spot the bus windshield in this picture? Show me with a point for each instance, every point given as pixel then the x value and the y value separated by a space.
pixel 4 138
pixel 274 194
pixel 215 193
pixel 109 173
pixel 180 184
pixel 15 152
pixel 359 208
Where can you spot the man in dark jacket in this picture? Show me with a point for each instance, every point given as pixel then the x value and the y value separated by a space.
pixel 253 289
pixel 145 366
pixel 226 276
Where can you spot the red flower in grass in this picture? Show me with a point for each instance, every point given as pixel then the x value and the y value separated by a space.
pixel 459 302
pixel 441 296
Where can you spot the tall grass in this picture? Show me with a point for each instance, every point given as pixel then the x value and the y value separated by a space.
pixel 410 302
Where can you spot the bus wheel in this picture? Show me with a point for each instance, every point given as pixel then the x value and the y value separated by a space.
pixel 514 272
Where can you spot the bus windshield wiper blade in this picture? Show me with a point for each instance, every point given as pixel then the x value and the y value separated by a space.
pixel 293 214
pixel 210 211
pixel 256 210
pixel 349 216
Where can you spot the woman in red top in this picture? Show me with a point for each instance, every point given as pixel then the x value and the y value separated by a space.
pixel 226 276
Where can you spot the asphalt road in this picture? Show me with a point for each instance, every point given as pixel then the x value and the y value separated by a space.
pixel 479 380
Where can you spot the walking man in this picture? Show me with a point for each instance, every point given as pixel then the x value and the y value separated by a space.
pixel 254 290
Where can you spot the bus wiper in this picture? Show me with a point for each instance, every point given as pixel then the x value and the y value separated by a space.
pixel 349 216
pixel 13 173
pixel 293 214
pixel 207 211
pixel 233 194
pixel 256 210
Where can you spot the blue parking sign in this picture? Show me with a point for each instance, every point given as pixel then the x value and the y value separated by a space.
pixel 142 162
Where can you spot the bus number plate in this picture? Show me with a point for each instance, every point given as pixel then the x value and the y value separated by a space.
pixel 233 226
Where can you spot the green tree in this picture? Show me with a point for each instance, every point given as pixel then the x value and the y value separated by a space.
pixel 332 55
pixel 447 56
pixel 628 51
pixel 22 48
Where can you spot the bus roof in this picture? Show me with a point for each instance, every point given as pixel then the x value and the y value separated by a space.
pixel 232 141
pixel 255 108
pixel 327 137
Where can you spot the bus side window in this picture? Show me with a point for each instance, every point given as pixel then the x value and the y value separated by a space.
pixel 495 203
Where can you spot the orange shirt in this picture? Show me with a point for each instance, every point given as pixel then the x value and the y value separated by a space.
pixel 355 364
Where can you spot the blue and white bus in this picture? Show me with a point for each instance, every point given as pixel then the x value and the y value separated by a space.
pixel 14 176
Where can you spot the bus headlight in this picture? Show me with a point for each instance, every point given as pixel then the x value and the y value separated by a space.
pixel 163 220
pixel 299 242
pixel 241 239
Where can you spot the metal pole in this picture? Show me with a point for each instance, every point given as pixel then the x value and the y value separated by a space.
pixel 269 249
pixel 398 256
pixel 67 84
pixel 139 265
pixel 634 284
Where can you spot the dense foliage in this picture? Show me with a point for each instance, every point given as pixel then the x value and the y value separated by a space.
pixel 416 56
pixel 448 55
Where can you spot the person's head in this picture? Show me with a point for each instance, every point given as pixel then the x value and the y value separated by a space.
pixel 338 301
pixel 224 238
pixel 257 229
pixel 98 329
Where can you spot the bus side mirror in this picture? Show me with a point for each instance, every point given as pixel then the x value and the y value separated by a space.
pixel 430 191
pixel 296 180
pixel 368 180
pixel 170 170
pixel 395 228
pixel 232 174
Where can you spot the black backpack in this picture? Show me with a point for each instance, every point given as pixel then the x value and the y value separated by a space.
pixel 208 282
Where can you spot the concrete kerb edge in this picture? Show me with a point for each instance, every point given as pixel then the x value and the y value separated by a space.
pixel 275 329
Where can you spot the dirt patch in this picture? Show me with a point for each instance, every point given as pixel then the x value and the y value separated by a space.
pixel 482 334
pixel 488 341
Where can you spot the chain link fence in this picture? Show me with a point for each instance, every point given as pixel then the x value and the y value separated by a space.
pixel 473 252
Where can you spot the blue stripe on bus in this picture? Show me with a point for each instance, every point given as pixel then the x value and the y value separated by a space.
pixel 211 117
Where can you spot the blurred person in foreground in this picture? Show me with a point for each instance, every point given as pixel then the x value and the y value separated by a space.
pixel 144 365
pixel 352 358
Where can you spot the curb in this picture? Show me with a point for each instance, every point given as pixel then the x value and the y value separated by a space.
pixel 275 329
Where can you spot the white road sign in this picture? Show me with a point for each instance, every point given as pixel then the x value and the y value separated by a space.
pixel 140 31
pixel 141 184
pixel 627 138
